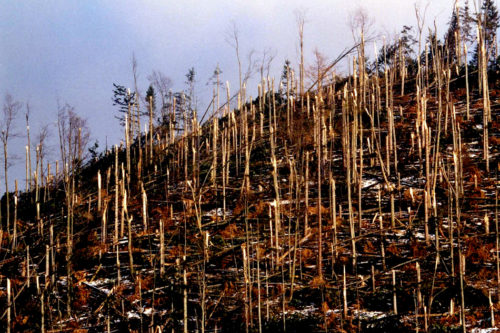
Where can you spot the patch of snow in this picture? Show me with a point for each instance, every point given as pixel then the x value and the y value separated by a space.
pixel 369 182
pixel 400 232
pixel 131 315
pixel 218 212
pixel 420 235
pixel 282 202
pixel 62 280
pixel 306 311
pixel 100 282
pixel 364 314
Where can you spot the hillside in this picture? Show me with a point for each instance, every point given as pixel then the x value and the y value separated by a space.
pixel 367 203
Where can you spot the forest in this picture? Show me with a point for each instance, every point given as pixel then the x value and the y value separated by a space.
pixel 328 202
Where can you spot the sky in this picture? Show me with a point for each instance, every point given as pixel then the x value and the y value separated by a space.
pixel 54 52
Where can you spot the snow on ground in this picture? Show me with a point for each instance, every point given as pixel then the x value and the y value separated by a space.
pixel 369 182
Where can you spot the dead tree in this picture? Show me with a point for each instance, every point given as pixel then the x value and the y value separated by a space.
pixel 73 138
pixel 10 110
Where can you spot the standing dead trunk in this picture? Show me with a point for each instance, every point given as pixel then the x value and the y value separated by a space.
pixel 99 195
pixel 462 296
pixel 394 299
pixel 9 305
pixel 117 197
pixel 162 248
pixel 42 313
pixel 144 208
pixel 14 222
pixel 185 299
pixel 7 195
pixel 130 251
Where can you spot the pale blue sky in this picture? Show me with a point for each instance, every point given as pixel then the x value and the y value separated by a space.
pixel 72 51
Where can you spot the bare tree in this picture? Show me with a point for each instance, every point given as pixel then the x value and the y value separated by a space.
pixel 268 56
pixel 300 17
pixel 420 15
pixel 233 39
pixel 360 23
pixel 73 138
pixel 317 71
pixel 41 148
pixel 162 84
pixel 28 149
pixel 10 110
pixel 252 66
pixel 137 115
